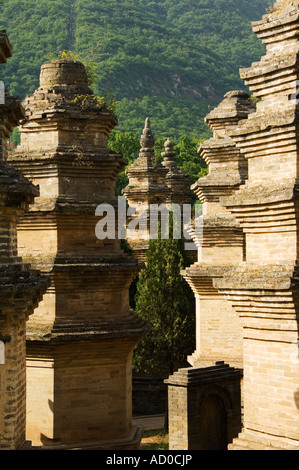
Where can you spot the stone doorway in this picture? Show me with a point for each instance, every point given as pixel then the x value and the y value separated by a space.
pixel 214 424
pixel 204 407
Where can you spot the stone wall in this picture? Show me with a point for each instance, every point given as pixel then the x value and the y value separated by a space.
pixel 149 395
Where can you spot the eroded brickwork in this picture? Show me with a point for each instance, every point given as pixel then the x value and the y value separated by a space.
pixel 259 283
pixel 207 397
pixel 152 183
pixel 21 288
pixel 264 289
pixel 219 335
pixel 80 339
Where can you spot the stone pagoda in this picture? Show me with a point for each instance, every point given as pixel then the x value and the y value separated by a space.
pixel 264 288
pixel 217 360
pixel 261 284
pixel 21 288
pixel 81 338
pixel 176 180
pixel 152 183
pixel 222 241
pixel 146 186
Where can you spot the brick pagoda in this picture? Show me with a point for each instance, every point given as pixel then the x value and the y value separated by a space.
pixel 81 338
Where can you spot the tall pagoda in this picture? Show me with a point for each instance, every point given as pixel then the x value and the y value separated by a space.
pixel 81 338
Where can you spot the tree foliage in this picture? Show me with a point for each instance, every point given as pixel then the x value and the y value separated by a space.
pixel 127 144
pixel 165 299
pixel 168 59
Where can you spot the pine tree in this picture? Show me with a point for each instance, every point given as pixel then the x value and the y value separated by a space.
pixel 166 300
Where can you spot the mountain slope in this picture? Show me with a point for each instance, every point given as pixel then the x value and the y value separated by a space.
pixel 167 59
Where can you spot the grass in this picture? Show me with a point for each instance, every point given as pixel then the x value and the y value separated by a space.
pixel 154 440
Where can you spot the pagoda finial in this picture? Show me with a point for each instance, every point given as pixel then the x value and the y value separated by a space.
pixel 169 155
pixel 147 140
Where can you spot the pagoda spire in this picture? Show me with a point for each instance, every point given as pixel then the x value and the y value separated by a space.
pixel 169 155
pixel 147 145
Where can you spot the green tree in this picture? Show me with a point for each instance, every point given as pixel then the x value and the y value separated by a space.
pixel 165 299
pixel 188 158
pixel 167 59
pixel 127 144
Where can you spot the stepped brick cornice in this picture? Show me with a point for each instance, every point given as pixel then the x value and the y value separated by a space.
pixel 264 288
pixel 84 329
pixel 222 240
pixel 227 166
pixel 21 287
pixel 152 182
pixel 146 175
pixel 11 112
pixel 176 180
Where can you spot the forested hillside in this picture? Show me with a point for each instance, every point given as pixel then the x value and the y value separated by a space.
pixel 166 59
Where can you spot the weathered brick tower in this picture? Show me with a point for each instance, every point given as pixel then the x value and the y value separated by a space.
pixel 80 340
pixel 264 289
pixel 212 388
pixel 261 285
pixel 223 241
pixel 21 288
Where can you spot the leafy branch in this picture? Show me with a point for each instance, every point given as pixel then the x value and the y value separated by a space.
pixel 87 101
pixel 96 102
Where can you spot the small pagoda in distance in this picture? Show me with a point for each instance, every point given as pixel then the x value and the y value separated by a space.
pixel 153 183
